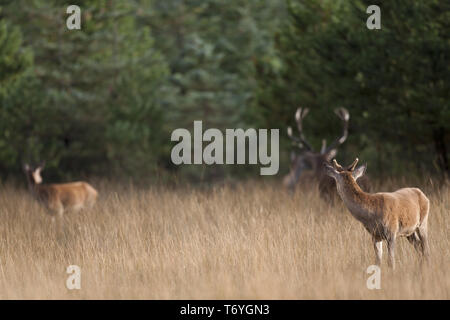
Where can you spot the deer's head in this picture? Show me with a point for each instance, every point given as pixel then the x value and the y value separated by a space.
pixel 306 158
pixel 345 176
pixel 34 174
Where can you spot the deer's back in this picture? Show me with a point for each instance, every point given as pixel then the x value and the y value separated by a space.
pixel 404 209
pixel 73 194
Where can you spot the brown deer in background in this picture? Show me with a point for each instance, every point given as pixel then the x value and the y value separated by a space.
pixel 308 166
pixel 385 215
pixel 58 198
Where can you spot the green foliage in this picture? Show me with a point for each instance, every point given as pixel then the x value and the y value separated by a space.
pixel 15 63
pixel 97 91
pixel 394 81
pixel 212 48
pixel 104 100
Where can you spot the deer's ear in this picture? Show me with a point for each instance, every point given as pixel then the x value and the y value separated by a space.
pixel 331 155
pixel 359 172
pixel 329 170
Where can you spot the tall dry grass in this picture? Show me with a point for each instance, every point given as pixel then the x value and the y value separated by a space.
pixel 247 242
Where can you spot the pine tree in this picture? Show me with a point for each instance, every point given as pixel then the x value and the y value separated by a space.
pixel 394 81
pixel 212 48
pixel 15 63
pixel 101 87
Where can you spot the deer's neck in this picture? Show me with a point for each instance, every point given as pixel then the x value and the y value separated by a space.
pixel 33 190
pixel 36 189
pixel 357 201
pixel 31 184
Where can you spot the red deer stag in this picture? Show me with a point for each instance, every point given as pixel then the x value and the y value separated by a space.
pixel 385 215
pixel 57 198
pixel 308 165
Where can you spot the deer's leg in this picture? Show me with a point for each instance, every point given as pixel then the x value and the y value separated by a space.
pixel 391 251
pixel 378 246
pixel 422 231
pixel 415 241
pixel 423 236
pixel 52 210
pixel 58 217
pixel 91 203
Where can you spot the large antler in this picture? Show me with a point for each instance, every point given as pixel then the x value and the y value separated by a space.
pixel 343 114
pixel 299 115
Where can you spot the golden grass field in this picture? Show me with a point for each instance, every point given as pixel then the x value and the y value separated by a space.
pixel 252 241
